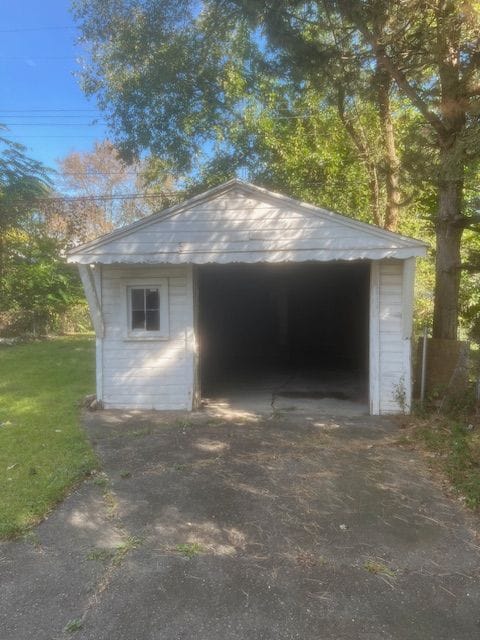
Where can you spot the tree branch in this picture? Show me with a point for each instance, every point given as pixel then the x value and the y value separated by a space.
pixel 397 74
pixel 466 222
pixel 472 268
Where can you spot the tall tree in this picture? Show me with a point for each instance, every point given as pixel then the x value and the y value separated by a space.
pixel 167 73
pixel 431 51
pixel 175 80
pixel 35 283
pixel 22 181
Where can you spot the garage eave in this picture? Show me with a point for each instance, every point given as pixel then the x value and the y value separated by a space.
pixel 317 255
pixel 239 222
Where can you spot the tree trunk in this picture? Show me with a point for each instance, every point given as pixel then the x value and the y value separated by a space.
pixel 392 164
pixel 366 157
pixel 448 242
pixel 374 189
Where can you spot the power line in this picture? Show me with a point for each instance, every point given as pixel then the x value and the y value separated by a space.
pixel 47 110
pixel 53 124
pixel 303 116
pixel 100 173
pixel 31 115
pixel 19 29
pixel 108 198
pixel 37 59
pixel 50 137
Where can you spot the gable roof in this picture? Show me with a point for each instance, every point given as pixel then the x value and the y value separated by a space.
pixel 240 222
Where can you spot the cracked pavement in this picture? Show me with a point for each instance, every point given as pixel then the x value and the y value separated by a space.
pixel 217 527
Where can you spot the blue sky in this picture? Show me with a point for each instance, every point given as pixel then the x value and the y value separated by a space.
pixel 40 99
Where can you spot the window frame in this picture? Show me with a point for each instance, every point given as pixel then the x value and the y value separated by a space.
pixel 145 334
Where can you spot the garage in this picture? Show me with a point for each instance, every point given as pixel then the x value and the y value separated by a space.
pixel 241 291
pixel 293 330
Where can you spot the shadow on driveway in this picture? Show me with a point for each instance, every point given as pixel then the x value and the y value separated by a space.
pixel 252 527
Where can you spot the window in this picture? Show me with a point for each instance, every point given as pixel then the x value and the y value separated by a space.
pixel 147 310
pixel 145 305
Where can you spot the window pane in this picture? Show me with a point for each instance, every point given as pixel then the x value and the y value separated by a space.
pixel 138 319
pixel 152 298
pixel 153 320
pixel 138 299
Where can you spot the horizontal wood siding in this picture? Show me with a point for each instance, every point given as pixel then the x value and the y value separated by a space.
pixel 147 374
pixel 236 227
pixel 392 360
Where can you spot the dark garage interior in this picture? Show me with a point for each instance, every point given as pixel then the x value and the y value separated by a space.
pixel 300 329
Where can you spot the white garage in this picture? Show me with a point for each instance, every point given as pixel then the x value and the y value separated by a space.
pixel 241 286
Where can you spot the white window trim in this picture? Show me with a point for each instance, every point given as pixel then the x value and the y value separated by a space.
pixel 141 334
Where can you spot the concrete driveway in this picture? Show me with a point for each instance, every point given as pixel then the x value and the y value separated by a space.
pixel 247 527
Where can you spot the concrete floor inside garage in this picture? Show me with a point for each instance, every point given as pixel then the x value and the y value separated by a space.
pixel 333 393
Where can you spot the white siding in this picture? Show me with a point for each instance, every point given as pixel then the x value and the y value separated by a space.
pixel 245 224
pixel 147 374
pixel 159 374
pixel 393 376
pixel 237 222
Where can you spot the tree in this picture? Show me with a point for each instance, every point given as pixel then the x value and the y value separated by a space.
pixel 431 51
pixel 22 181
pixel 172 78
pixel 35 283
pixel 98 192
pixel 137 48
pixel 38 285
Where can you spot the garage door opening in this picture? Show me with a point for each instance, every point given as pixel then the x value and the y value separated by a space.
pixel 285 332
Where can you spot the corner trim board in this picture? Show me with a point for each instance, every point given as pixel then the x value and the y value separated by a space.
pixel 374 347
pixel 91 294
pixel 408 289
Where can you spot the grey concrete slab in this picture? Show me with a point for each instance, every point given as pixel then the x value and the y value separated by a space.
pixel 285 525
pixel 331 393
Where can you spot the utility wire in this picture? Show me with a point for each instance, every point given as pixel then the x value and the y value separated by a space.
pixel 27 58
pixel 99 173
pixel 108 198
pixel 51 137
pixel 52 124
pixel 20 29
pixel 47 110
pixel 53 115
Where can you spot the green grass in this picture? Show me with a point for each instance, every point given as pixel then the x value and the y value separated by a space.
pixel 117 554
pixel 43 451
pixel 457 454
pixel 190 549
pixel 73 626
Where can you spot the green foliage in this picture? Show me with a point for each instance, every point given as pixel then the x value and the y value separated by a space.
pixel 288 93
pixel 161 73
pixel 457 449
pixel 43 451
pixel 37 285
pixel 22 181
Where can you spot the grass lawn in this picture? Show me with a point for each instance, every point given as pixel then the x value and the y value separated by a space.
pixel 43 451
